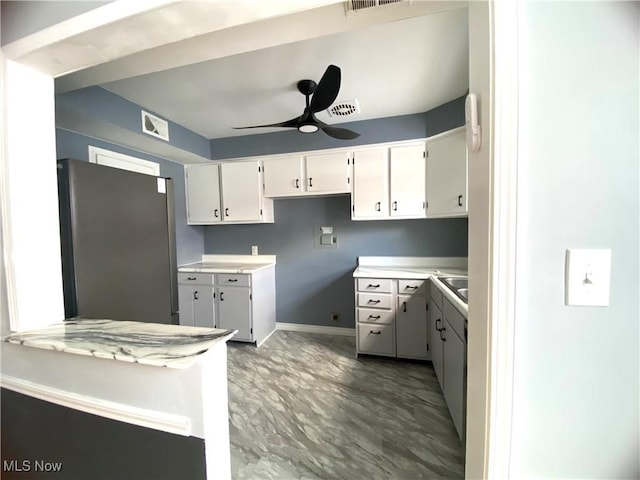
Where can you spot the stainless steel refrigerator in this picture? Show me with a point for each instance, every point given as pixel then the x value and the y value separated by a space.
pixel 118 243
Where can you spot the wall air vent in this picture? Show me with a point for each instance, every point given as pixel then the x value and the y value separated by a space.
pixel 351 6
pixel 344 108
pixel 155 126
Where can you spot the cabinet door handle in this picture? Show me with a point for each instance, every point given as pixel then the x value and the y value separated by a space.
pixel 459 200
pixel 195 295
pixel 404 306
pixel 378 205
pixel 438 320
pixel 371 285
pixel 191 278
pixel 222 296
pixel 375 317
pixel 395 206
pixel 443 330
pixel 232 280
pixel 373 301
pixel 371 332
pixel 215 213
pixel 226 212
pixel 310 182
pixel 297 183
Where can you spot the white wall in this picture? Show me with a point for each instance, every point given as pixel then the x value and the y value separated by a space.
pixel 576 397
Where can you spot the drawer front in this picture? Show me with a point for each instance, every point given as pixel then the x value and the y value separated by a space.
pixel 381 285
pixel 375 300
pixel 233 279
pixel 369 315
pixel 455 318
pixel 436 296
pixel 196 278
pixel 376 339
pixel 412 287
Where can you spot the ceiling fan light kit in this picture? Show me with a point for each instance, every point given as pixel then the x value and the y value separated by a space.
pixel 318 96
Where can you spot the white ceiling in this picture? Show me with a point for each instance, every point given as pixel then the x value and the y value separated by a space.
pixel 402 67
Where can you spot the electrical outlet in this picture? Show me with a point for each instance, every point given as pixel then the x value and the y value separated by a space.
pixel 335 317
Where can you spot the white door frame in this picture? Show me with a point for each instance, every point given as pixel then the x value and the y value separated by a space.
pixel 495 376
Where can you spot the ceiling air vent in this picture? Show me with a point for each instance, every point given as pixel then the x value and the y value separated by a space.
pixel 155 126
pixel 346 108
pixel 355 5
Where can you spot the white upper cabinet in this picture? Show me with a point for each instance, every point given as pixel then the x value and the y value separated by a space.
pixel 328 173
pixel 447 175
pixel 370 197
pixel 408 181
pixel 203 194
pixel 241 191
pixel 283 176
pixel 226 193
pixel 317 174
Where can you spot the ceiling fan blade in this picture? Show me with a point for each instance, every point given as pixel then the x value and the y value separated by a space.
pixel 289 123
pixel 327 89
pixel 339 133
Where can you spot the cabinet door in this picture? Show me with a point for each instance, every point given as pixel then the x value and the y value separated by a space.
pixel 328 173
pixel 370 197
pixel 411 326
pixel 234 311
pixel 283 176
pixel 454 360
pixel 447 176
pixel 408 180
pixel 435 324
pixel 185 304
pixel 203 303
pixel 203 194
pixel 241 191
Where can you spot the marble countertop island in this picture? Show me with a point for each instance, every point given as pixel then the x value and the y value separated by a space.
pixel 155 344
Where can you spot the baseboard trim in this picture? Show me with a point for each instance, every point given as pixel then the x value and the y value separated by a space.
pixel 266 338
pixel 299 327
pixel 165 422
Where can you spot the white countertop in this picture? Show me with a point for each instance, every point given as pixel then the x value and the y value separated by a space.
pixel 246 264
pixel 161 345
pixel 422 268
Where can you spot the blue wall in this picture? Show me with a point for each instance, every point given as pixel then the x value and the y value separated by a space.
pixel 109 108
pixel 311 283
pixel 189 238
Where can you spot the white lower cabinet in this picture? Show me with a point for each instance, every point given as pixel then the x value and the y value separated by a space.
pixel 391 318
pixel 449 355
pixel 234 311
pixel 196 300
pixel 242 302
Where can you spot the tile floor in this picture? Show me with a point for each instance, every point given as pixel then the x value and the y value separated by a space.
pixel 302 406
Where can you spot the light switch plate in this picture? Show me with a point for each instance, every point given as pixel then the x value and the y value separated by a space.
pixel 588 277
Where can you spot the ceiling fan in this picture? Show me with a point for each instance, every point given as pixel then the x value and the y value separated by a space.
pixel 322 95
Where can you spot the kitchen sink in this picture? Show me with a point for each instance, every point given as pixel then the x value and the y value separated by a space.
pixel 458 285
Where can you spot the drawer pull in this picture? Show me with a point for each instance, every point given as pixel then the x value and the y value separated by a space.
pixel 191 278
pixel 373 301
pixel 371 332
pixel 375 317
pixel 371 285
pixel 232 280
pixel 412 287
